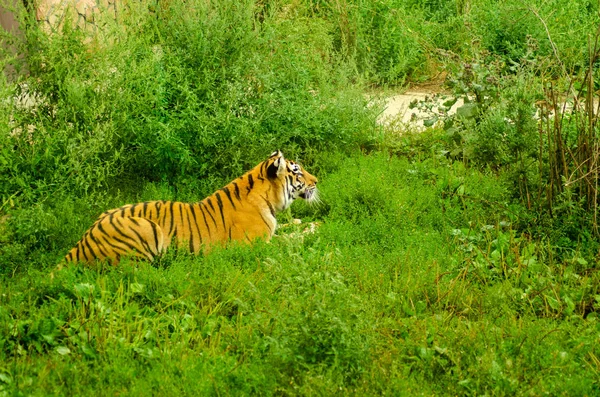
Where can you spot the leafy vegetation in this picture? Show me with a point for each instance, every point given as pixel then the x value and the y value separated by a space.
pixel 461 260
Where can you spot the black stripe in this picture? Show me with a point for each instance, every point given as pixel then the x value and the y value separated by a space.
pixel 89 252
pixel 83 247
pixel 211 216
pixel 289 187
pixel 101 228
pixel 82 251
pixel 192 209
pixel 172 204
pixel 181 215
pixel 157 206
pixel 237 191
pixel 123 234
pixel 97 243
pixel 125 243
pixel 108 238
pixel 220 203
pixel 144 209
pixel 212 207
pixel 161 215
pixel 266 223
pixel 89 247
pixel 204 216
pixel 229 234
pixel 69 256
pixel 228 194
pixel 250 182
pixel 191 240
pixel 78 251
pixel 270 206
pixel 155 231
pixel 114 247
pixel 143 242
pixel 132 209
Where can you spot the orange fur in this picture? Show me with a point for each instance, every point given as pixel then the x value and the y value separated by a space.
pixel 243 210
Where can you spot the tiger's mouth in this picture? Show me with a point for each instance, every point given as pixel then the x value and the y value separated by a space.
pixel 310 195
pixel 306 194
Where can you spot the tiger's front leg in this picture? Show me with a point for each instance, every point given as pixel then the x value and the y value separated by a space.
pixel 248 227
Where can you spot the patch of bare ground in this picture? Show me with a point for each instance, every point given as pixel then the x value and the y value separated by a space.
pixel 402 113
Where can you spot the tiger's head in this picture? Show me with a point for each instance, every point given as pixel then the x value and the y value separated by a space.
pixel 295 182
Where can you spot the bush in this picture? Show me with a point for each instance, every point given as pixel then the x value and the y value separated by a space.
pixel 192 89
pixel 505 27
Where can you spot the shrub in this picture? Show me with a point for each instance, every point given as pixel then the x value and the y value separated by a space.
pixel 192 89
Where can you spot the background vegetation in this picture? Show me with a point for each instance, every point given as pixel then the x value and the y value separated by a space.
pixel 459 260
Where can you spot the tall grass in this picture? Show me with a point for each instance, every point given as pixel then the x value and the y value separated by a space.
pixel 572 137
pixel 415 282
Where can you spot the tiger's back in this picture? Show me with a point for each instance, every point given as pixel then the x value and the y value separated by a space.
pixel 243 210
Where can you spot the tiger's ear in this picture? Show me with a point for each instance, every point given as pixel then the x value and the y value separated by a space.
pixel 276 153
pixel 277 166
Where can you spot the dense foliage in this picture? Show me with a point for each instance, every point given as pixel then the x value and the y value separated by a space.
pixel 458 260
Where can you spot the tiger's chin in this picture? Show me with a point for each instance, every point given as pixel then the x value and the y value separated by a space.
pixel 311 196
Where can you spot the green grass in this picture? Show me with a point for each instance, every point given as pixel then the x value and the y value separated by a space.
pixel 414 283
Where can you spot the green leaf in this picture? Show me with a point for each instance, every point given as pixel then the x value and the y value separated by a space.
pixel 581 261
pixel 468 110
pixel 89 350
pixel 450 102
pixel 554 304
pixel 84 289
pixel 570 304
pixel 63 350
pixel 137 288
pixel 6 378
pixel 430 122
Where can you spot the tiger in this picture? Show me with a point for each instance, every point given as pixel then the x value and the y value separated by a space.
pixel 243 210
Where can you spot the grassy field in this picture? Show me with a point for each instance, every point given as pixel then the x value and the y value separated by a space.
pixel 415 282
pixel 462 260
